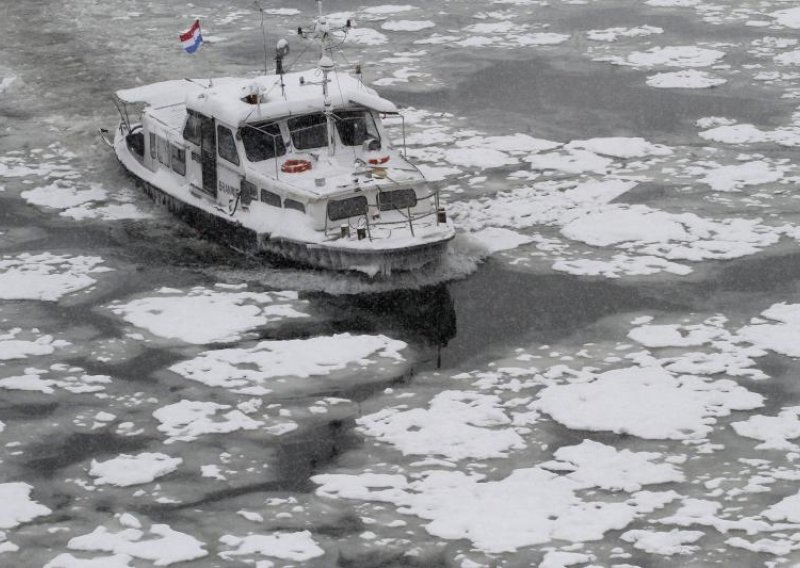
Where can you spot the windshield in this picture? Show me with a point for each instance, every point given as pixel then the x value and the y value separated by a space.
pixel 308 131
pixel 262 141
pixel 355 127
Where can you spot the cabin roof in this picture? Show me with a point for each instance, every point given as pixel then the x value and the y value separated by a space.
pixel 303 94
pixel 223 98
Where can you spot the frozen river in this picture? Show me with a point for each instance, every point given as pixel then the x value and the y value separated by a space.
pixel 603 373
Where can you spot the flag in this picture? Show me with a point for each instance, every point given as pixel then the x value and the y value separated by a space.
pixel 192 38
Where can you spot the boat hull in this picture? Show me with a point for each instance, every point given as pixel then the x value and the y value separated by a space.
pixel 247 241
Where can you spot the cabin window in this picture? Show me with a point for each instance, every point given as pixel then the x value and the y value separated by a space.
pixel 262 141
pixel 179 160
pixel 162 150
pixel 191 131
pixel 355 127
pixel 270 198
pixel 292 204
pixel 152 145
pixel 226 145
pixel 344 208
pixel 397 199
pixel 309 131
pixel 248 193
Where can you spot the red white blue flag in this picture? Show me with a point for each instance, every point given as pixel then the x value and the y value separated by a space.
pixel 192 38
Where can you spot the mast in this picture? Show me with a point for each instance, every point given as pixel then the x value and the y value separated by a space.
pixel 322 34
pixel 326 64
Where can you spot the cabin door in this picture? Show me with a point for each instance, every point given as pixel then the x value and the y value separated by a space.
pixel 208 155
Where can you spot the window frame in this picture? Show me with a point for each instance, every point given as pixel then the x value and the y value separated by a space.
pixel 346 213
pixel 278 143
pixel 178 158
pixel 370 126
pixel 222 132
pixel 296 131
pixel 290 203
pixel 390 205
pixel 273 199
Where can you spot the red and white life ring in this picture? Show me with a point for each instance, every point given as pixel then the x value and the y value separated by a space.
pixel 295 166
pixel 378 161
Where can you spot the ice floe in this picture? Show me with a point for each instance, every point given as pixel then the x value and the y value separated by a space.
pixel 457 425
pixel 528 507
pixel 671 56
pixel 251 369
pixel 188 420
pixel 126 470
pixel 297 546
pixel 74 380
pixel 599 465
pixel 664 543
pixel 737 176
pixel 789 18
pixel 613 34
pixel 407 25
pixel 18 507
pixel 674 236
pixel 774 431
pixel 647 402
pixel 620 147
pixel 495 239
pixel 160 544
pixel 226 315
pixel 46 276
pixel 686 79
pixel 12 347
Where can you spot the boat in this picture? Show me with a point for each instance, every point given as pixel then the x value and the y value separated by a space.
pixel 293 164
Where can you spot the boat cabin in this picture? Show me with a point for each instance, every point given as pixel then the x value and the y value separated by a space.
pixel 278 143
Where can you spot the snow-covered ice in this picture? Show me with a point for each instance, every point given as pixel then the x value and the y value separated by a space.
pixel 46 276
pixel 646 402
pixel 125 470
pixel 226 315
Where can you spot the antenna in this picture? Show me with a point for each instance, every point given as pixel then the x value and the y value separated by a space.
pixel 263 33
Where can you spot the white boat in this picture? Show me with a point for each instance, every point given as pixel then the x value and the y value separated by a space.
pixel 295 164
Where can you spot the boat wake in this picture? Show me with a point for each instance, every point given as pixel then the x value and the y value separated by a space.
pixel 461 260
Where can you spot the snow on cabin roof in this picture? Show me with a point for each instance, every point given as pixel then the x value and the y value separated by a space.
pixel 224 100
pixel 161 94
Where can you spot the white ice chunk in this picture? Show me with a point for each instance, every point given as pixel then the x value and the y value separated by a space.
pixel 606 467
pixel 316 356
pixel 225 315
pixel 46 276
pixel 528 507
pixel 664 543
pixel 685 79
pixel 675 56
pixel 621 147
pixel 407 25
pixel 647 402
pixel 789 17
pixel 482 158
pixel 11 348
pixel 167 547
pixel 126 470
pixel 736 176
pixel 297 546
pixel 187 420
pixel 774 431
pixel 17 506
pixel 458 425
pixel 67 560
pixel 495 239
